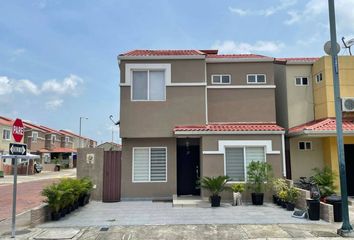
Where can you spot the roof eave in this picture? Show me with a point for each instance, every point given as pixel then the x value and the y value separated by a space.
pixel 176 132
pixel 217 60
pixel 166 57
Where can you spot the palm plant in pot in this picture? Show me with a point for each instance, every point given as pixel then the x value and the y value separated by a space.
pixel 237 189
pixel 258 176
pixel 215 185
pixel 53 197
pixel 292 196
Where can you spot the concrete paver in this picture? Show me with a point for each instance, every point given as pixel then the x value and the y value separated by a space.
pixel 157 213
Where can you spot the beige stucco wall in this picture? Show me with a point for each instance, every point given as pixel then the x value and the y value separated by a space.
pixel 302 162
pixel 239 71
pixel 4 144
pixel 213 164
pixel 148 190
pixel 93 170
pixel 299 98
pixel 182 71
pixel 183 106
pixel 281 102
pixel 241 105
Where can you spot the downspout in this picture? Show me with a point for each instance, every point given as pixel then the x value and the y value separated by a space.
pixel 283 153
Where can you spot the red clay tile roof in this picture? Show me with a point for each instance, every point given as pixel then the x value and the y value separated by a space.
pixel 6 121
pixel 233 127
pixel 72 134
pixel 63 150
pixel 162 53
pixel 328 124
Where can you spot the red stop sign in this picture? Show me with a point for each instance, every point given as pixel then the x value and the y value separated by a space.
pixel 18 130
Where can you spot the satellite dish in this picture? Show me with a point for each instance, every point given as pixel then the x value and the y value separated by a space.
pixel 327 48
pixel 348 44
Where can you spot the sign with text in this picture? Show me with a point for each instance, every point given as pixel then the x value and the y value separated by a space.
pixel 18 130
pixel 18 149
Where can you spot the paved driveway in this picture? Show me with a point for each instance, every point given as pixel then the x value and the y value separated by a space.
pixel 157 213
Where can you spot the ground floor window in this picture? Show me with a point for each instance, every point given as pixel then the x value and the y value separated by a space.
pixel 238 158
pixel 149 164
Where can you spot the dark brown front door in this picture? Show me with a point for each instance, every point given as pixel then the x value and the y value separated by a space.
pixel 111 176
pixel 188 155
pixel 349 165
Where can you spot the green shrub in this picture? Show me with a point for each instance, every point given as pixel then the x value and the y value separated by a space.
pixel 238 187
pixel 215 185
pixel 66 192
pixel 292 195
pixel 258 175
pixel 279 184
pixel 325 181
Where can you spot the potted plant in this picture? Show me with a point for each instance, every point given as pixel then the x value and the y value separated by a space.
pixel 258 175
pixel 292 196
pixel 215 185
pixel 283 194
pixel 237 190
pixel 324 179
pixel 53 197
pixel 278 184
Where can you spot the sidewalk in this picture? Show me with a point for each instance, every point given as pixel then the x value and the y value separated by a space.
pixel 190 232
pixel 8 179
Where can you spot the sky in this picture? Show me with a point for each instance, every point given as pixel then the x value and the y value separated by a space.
pixel 58 59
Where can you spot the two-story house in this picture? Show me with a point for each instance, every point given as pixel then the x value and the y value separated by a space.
pixel 185 114
pixel 310 115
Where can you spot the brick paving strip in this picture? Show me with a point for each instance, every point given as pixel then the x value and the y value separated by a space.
pixel 28 196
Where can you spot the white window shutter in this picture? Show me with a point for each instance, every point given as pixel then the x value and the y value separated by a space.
pixel 141 165
pixel 158 164
pixel 235 168
pixel 254 154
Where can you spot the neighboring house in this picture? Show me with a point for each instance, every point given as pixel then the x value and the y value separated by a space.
pixel 110 146
pixel 6 134
pixel 186 114
pixel 312 134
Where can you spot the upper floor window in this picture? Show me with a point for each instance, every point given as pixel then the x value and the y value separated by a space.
pixel 66 139
pixel 256 78
pixel 301 81
pixel 6 134
pixel 148 85
pixel 53 138
pixel 305 146
pixel 221 79
pixel 319 77
pixel 34 136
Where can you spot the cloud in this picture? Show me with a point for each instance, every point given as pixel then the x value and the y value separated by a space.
pixel 16 53
pixel 283 4
pixel 317 10
pixel 5 85
pixel 54 104
pixel 230 46
pixel 67 86
pixel 25 85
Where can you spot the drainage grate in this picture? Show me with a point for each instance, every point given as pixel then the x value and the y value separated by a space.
pixel 104 229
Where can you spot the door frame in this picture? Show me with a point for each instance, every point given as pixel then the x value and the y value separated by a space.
pixel 198 161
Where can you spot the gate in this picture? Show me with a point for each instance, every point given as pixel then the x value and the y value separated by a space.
pixel 111 176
